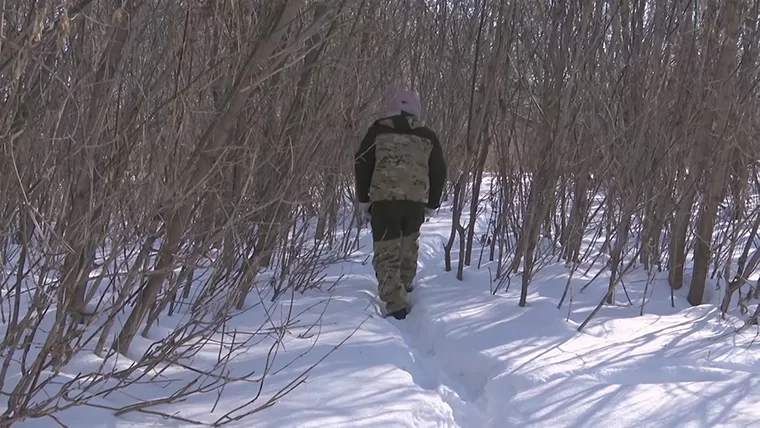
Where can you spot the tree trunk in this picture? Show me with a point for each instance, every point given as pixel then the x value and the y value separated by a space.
pixel 717 124
pixel 475 201
pixel 83 220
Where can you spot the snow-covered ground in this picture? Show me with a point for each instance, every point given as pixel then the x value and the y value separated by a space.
pixel 467 358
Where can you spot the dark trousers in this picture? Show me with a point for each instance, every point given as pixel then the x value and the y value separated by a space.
pixel 395 232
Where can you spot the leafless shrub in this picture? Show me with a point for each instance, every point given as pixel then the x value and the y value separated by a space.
pixel 627 121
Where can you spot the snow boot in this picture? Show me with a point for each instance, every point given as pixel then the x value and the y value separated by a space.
pixel 399 314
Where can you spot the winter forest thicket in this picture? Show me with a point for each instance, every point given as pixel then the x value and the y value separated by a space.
pixel 167 166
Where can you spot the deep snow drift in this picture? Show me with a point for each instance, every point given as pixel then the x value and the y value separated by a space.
pixel 467 358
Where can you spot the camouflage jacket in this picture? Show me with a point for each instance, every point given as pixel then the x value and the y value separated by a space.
pixel 400 159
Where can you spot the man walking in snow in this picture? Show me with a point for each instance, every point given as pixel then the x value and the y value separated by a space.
pixel 400 175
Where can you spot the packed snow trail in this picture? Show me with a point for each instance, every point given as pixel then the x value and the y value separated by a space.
pixel 456 390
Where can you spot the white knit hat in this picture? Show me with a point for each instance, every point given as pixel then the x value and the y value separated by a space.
pixel 405 100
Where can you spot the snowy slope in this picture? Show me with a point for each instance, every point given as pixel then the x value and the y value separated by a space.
pixel 467 358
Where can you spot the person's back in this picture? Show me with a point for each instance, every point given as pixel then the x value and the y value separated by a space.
pixel 400 173
pixel 402 152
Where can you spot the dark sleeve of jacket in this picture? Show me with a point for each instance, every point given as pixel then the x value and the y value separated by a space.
pixel 437 172
pixel 364 164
